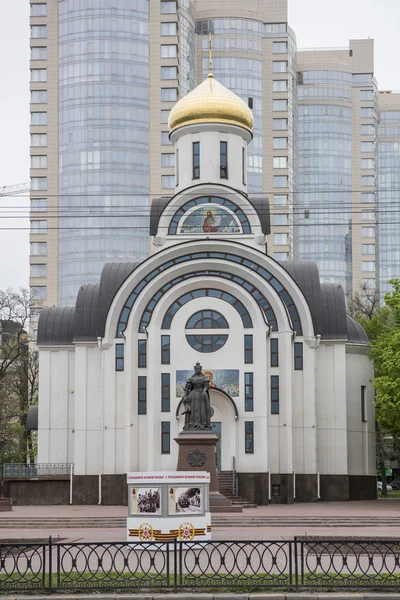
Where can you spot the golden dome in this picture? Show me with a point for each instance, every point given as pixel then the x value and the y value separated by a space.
pixel 211 102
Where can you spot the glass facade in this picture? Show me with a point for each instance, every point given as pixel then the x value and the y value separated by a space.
pixel 103 138
pixel 325 181
pixel 388 199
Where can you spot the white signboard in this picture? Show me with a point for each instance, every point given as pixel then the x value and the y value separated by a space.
pixel 168 505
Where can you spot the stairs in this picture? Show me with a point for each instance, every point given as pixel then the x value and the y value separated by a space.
pixel 226 488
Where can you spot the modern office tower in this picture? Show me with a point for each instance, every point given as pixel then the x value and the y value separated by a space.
pixel 337 98
pixel 388 194
pixel 104 75
pixel 254 55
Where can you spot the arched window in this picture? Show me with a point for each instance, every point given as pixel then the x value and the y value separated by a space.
pixel 206 343
pixel 207 319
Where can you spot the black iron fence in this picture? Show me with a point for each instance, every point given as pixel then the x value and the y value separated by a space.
pixel 297 564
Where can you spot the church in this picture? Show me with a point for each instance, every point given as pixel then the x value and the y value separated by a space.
pixel 290 380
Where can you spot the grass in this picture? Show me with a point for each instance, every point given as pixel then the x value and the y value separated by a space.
pixel 390 494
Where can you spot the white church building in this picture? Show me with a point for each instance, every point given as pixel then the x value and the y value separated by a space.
pixel 291 393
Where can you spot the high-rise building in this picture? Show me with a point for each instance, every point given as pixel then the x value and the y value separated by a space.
pixel 388 195
pixel 337 97
pixel 104 75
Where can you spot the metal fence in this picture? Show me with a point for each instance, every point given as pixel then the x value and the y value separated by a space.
pixel 36 470
pixel 297 564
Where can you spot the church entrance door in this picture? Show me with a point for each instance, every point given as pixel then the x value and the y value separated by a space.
pixel 216 427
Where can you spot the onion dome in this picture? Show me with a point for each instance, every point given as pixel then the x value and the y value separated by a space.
pixel 211 102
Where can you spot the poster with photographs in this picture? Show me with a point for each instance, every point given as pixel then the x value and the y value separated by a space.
pixel 145 501
pixel 185 500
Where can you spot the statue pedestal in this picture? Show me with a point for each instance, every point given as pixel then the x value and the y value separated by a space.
pixel 197 452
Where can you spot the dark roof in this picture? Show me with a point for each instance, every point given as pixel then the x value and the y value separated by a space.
pixel 87 320
pixel 261 206
pixel 327 304
pixel 356 332
pixel 56 326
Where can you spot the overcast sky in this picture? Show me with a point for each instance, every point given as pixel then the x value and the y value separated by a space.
pixel 317 23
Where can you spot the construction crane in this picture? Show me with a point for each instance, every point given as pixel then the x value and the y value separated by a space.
pixel 14 190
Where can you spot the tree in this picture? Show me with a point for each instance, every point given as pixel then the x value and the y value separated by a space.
pixel 18 376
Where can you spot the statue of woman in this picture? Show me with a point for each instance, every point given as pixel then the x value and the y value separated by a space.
pixel 196 401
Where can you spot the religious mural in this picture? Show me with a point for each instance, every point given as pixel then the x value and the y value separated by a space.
pixel 210 218
pixel 223 379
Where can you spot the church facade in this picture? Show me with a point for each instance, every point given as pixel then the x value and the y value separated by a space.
pixel 290 379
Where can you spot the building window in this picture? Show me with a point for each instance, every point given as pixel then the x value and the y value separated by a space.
pixel 279 105
pixel 38 248
pixel 38 53
pixel 367 163
pixel 38 226
pixel 168 182
pixel 207 343
pixel 165 141
pixel 280 200
pixel 249 437
pixel 366 95
pixel 279 66
pixel 38 204
pixel 275 394
pixel 164 116
pixel 165 437
pixel 367 180
pixel 38 96
pixel 363 403
pixel 367 146
pixel 368 215
pixel 367 198
pixel 169 73
pixel 248 349
pixel 119 357
pixel 168 29
pixel 274 346
pixel 169 94
pixel 368 249
pixel 280 85
pixel 38 184
pixel 142 395
pixel 367 130
pixel 168 160
pixel 366 113
pixel 38 162
pixel 196 160
pixel 249 392
pixel 281 239
pixel 177 167
pixel 169 51
pixel 280 143
pixel 142 354
pixel 38 31
pixel 368 266
pixel 38 292
pixel 281 256
pixel 223 157
pixel 207 319
pixel 165 350
pixel 279 124
pixel 165 392
pixel 280 220
pixel 298 356
pixel 368 232
pixel 38 10
pixel 38 270
pixel 280 162
pixel 244 166
pixel 38 75
pixel 38 118
pixel 167 7
pixel 279 47
pixel 280 181
pixel 38 139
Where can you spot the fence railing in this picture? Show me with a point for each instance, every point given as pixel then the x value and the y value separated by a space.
pixel 297 564
pixel 35 470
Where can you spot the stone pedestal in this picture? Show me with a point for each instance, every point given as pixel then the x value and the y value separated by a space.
pixel 197 452
pixel 5 504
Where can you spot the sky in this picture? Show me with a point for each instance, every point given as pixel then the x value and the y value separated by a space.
pixel 317 23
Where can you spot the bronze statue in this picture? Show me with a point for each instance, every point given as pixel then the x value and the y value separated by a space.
pixel 196 401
